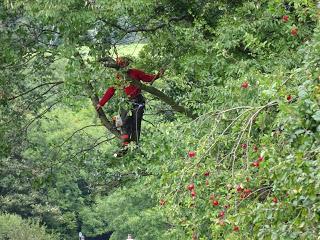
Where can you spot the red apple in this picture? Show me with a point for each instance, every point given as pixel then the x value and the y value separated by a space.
pixel 245 84
pixel 191 187
pixel 236 228
pixel 260 159
pixel 193 194
pixel 206 174
pixel 221 214
pixel 275 200
pixel 192 154
pixel 244 146
pixel 239 188
pixel 215 203
pixel 247 191
pixel 285 18
pixel 294 31
pixel 289 98
pixel 255 164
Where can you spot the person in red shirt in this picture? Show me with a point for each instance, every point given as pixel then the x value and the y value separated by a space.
pixel 131 125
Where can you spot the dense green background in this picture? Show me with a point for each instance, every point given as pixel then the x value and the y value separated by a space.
pixel 56 158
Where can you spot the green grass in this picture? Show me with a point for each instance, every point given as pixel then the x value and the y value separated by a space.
pixel 130 49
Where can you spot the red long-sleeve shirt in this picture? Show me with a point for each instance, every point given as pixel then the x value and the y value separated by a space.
pixel 131 90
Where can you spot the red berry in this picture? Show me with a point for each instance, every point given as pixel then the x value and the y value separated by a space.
pixel 215 203
pixel 255 164
pixel 211 196
pixel 255 148
pixel 260 159
pixel 206 174
pixel 221 214
pixel 125 143
pixel 162 202
pixel 275 200
pixel 244 146
pixel 192 154
pixel 236 228
pixel 191 187
pixel 294 31
pixel 285 18
pixel 239 188
pixel 245 84
pixel 289 98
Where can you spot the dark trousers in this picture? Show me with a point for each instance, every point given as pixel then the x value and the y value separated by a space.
pixel 132 124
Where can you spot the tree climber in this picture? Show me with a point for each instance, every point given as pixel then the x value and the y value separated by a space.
pixel 131 125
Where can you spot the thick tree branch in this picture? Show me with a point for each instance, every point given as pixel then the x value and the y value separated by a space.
pixel 165 98
pixel 95 100
pixel 105 122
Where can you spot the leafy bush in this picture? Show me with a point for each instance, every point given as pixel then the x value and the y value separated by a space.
pixel 13 227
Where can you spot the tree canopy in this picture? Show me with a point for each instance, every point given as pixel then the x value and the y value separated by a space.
pixel 230 143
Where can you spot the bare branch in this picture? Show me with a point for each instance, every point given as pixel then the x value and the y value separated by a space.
pixel 66 140
pixel 30 90
pixel 40 115
pixel 93 146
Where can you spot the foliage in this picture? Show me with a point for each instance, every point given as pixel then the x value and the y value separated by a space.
pixel 249 69
pixel 13 227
